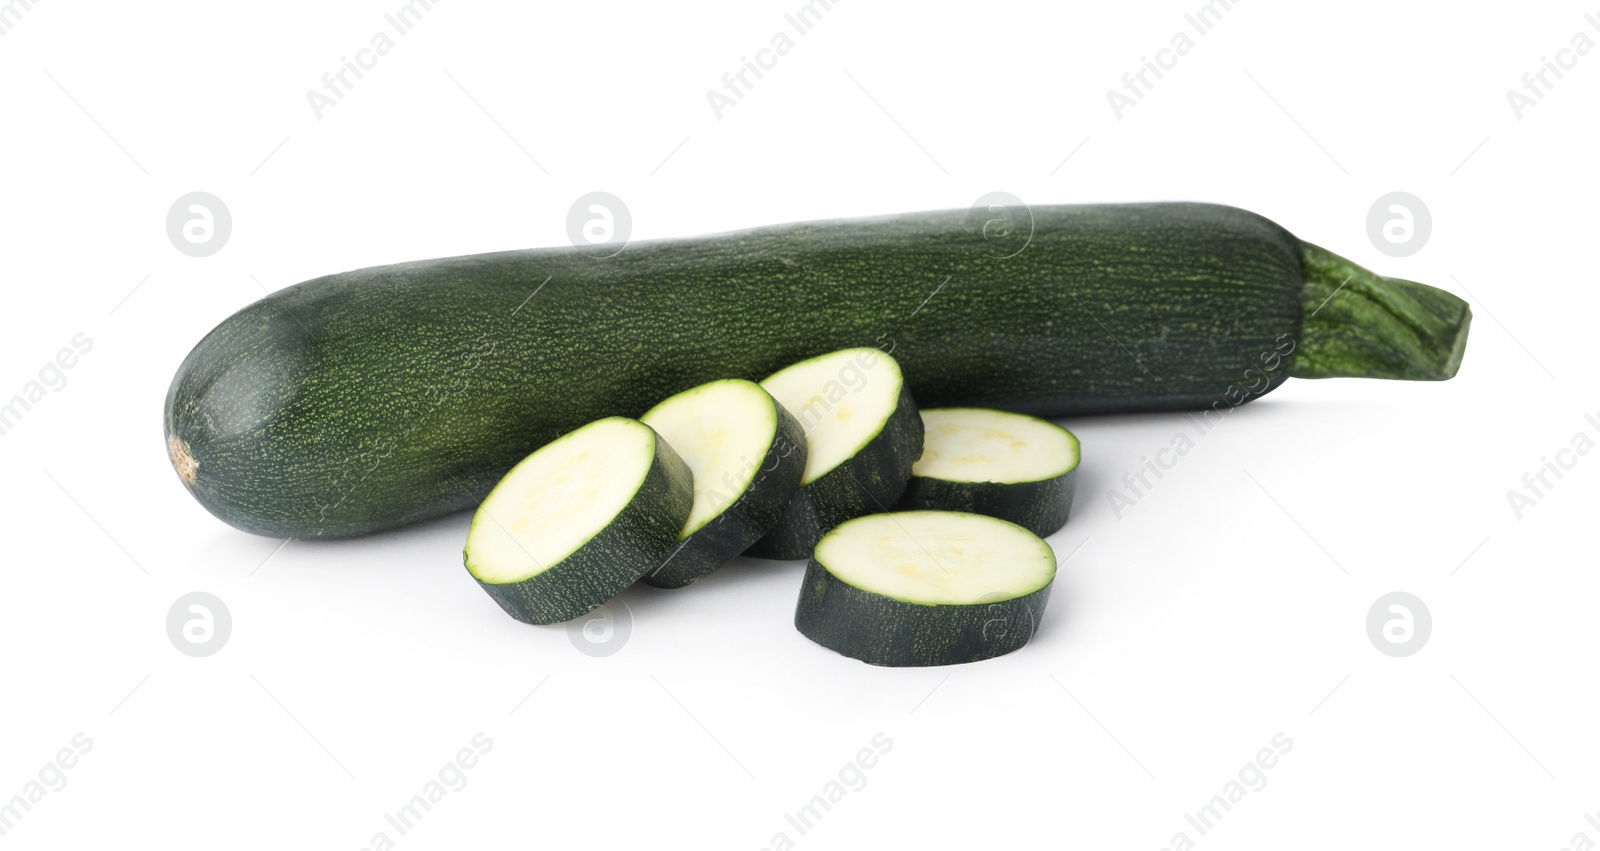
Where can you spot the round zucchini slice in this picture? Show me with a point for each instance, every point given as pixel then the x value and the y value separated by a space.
pixel 1011 466
pixel 747 454
pixel 922 588
pixel 579 520
pixel 862 436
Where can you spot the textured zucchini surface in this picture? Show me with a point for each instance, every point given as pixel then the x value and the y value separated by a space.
pixel 383 396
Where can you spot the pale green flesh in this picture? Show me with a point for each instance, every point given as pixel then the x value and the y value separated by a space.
pixel 558 498
pixel 842 400
pixel 983 445
pixel 723 430
pixel 937 558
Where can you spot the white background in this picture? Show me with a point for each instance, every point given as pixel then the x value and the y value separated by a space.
pixel 1180 638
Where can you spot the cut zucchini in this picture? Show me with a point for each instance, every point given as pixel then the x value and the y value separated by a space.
pixel 579 520
pixel 921 588
pixel 1014 467
pixel 747 454
pixel 862 435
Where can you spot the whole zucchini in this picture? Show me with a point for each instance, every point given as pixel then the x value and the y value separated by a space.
pixel 383 396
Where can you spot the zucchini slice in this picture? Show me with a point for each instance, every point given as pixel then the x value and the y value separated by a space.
pixel 921 588
pixel 1011 466
pixel 579 520
pixel 862 436
pixel 747 454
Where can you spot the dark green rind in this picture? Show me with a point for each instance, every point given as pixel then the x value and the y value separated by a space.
pixel 634 542
pixel 892 633
pixel 867 482
pixel 1358 323
pixel 379 397
pixel 1041 506
pixel 741 524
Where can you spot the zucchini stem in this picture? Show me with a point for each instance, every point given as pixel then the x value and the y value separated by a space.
pixel 1357 324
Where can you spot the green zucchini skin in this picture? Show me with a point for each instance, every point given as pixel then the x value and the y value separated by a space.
pixel 1040 506
pixel 757 511
pixel 869 481
pixel 632 544
pixel 379 397
pixel 893 633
